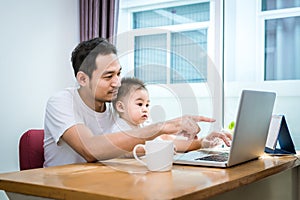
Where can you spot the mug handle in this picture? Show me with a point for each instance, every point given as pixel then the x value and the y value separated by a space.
pixel 136 156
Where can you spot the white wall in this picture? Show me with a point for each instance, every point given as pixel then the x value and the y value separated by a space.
pixel 36 38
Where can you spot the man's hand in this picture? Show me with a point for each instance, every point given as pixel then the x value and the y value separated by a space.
pixel 216 138
pixel 186 126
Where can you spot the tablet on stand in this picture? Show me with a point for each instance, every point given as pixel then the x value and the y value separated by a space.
pixel 279 140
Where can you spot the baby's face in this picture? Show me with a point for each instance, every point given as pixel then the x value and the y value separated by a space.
pixel 137 107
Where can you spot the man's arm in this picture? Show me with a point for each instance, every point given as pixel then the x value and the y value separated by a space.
pixel 210 141
pixel 107 146
pixel 100 147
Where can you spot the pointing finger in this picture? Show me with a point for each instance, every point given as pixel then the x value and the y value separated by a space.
pixel 202 119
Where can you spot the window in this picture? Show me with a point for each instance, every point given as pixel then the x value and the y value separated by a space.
pixel 150 57
pixel 188 57
pixel 261 47
pixel 279 4
pixel 180 53
pixel 258 37
pixel 171 15
pixel 174 46
pixel 282 39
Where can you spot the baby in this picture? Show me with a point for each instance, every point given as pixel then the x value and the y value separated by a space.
pixel 132 106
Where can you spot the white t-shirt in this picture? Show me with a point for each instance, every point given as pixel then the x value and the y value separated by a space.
pixel 120 125
pixel 63 111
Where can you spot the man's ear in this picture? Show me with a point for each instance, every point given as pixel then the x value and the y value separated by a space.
pixel 82 78
pixel 120 106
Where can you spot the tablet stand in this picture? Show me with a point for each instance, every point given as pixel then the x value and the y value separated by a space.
pixel 279 140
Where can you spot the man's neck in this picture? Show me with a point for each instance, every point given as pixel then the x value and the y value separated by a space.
pixel 91 102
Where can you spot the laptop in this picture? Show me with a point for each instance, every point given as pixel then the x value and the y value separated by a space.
pixel 249 137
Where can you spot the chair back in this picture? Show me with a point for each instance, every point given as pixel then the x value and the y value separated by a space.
pixel 31 149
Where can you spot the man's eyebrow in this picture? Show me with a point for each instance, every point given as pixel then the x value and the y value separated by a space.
pixel 111 72
pixel 108 72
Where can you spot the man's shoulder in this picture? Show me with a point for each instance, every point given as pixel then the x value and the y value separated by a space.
pixel 65 96
pixel 65 93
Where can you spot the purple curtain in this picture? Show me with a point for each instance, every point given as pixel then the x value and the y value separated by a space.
pixel 98 18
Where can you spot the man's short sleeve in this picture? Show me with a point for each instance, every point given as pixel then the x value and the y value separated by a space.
pixel 59 114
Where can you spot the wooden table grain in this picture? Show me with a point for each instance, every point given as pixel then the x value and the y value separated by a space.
pixel 127 179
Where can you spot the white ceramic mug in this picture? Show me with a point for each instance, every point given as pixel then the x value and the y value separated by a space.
pixel 159 155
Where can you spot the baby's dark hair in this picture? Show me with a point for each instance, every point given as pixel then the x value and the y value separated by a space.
pixel 84 55
pixel 127 85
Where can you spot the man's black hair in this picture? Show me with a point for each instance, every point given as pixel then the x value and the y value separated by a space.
pixel 84 55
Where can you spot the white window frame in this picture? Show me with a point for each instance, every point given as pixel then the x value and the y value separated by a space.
pixel 214 28
pixel 283 87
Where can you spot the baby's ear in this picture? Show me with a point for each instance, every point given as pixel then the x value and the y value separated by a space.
pixel 120 106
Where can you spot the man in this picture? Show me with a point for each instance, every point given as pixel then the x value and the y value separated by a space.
pixel 78 121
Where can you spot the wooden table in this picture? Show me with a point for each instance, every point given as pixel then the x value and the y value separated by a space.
pixel 127 179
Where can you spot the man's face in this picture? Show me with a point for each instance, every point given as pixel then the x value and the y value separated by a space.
pixel 106 80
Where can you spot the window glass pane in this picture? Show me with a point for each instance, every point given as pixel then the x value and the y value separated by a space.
pixel 188 56
pixel 279 4
pixel 282 47
pixel 150 58
pixel 171 16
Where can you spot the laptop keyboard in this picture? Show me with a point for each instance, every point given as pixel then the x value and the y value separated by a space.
pixel 222 157
pixel 203 155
